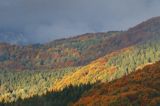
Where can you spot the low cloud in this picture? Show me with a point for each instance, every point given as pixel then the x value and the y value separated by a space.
pixel 46 20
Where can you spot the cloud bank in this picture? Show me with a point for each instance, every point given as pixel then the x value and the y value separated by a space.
pixel 45 20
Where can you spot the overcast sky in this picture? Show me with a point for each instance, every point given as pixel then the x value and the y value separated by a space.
pixel 46 20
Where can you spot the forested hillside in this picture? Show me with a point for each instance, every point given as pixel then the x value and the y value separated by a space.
pixel 26 84
pixel 64 69
pixel 74 51
pixel 114 65
pixel 61 53
pixel 105 69
pixel 140 88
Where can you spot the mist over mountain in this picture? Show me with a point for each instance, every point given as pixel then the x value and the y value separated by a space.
pixel 13 38
pixel 42 21
pixel 79 53
pixel 117 68
pixel 73 51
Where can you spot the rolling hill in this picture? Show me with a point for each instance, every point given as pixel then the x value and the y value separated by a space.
pixel 75 51
pixel 139 88
pixel 62 53
pixel 73 62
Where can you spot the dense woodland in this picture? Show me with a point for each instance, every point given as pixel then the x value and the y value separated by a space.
pixel 26 84
pixel 61 53
pixel 61 98
pixel 140 88
pixel 60 72
pixel 114 65
pixel 143 53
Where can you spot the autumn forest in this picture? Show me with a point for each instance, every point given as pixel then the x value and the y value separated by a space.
pixel 115 68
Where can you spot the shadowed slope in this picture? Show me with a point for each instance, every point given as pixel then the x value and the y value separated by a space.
pixel 59 98
pixel 140 88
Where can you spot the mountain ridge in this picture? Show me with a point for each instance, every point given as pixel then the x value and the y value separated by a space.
pixel 76 51
pixel 74 62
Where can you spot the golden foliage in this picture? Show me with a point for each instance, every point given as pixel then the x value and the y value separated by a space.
pixel 94 72
pixel 140 88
